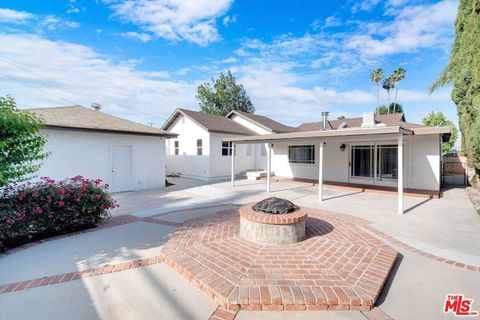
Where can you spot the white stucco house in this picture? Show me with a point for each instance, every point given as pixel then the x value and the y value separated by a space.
pixel 200 151
pixel 373 152
pixel 87 142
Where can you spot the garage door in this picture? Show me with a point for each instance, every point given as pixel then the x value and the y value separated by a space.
pixel 121 168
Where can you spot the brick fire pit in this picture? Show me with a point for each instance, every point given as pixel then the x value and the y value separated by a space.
pixel 263 228
pixel 339 265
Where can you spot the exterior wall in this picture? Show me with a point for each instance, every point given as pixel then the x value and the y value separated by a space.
pixel 187 162
pixel 220 166
pixel 421 161
pixel 425 164
pixel 88 154
pixel 211 164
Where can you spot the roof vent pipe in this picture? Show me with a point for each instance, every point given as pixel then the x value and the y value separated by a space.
pixel 96 106
pixel 325 116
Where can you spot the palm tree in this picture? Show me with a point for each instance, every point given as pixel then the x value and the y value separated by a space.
pixel 388 85
pixel 397 76
pixel 377 76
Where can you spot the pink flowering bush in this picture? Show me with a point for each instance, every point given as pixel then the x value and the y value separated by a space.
pixel 32 211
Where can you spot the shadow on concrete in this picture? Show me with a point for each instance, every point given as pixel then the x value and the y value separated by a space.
pixel 390 279
pixel 417 205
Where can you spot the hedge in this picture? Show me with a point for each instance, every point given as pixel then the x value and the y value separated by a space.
pixel 32 211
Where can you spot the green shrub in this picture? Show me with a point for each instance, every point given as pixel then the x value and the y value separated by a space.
pixel 32 211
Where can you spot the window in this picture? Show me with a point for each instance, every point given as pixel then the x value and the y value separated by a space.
pixel 387 161
pixel 301 154
pixel 175 148
pixel 199 147
pixel 226 148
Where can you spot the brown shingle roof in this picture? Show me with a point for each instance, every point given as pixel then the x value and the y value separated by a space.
pixel 209 122
pixel 395 119
pixel 78 117
pixel 264 122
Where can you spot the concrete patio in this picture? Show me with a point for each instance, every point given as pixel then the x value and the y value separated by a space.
pixel 114 272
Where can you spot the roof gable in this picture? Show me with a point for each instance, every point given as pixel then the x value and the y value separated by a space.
pixel 263 122
pixel 209 122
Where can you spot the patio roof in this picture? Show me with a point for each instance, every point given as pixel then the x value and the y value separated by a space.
pixel 353 132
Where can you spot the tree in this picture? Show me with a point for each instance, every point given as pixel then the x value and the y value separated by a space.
pixel 397 76
pixel 225 95
pixel 388 85
pixel 377 76
pixel 463 73
pixel 395 107
pixel 21 143
pixel 437 119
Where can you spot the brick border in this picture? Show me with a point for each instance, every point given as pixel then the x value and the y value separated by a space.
pixel 408 247
pixel 223 314
pixel 297 216
pixel 72 276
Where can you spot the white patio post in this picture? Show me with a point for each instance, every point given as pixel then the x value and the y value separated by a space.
pixel 233 164
pixel 269 166
pixel 320 172
pixel 400 173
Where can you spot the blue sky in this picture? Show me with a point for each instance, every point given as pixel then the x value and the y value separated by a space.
pixel 140 59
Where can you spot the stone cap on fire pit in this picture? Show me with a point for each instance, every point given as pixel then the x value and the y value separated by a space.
pixel 297 216
pixel 274 205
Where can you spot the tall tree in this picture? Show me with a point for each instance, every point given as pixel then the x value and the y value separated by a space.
pixel 223 95
pixel 437 119
pixel 397 76
pixel 392 107
pixel 21 143
pixel 377 76
pixel 388 85
pixel 463 72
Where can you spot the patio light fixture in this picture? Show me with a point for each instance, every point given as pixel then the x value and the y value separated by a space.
pixel 342 147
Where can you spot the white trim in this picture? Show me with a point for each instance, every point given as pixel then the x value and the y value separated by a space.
pixel 400 173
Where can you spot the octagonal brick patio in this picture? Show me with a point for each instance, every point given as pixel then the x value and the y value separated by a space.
pixel 340 266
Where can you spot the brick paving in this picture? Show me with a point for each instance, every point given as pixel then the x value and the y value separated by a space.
pixel 339 266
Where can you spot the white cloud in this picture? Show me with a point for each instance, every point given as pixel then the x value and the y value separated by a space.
pixel 229 60
pixel 12 16
pixel 413 28
pixel 49 22
pixel 72 73
pixel 332 21
pixel 365 5
pixel 143 37
pixel 229 20
pixel 179 20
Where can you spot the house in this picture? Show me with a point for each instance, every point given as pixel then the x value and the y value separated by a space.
pixel 199 150
pixel 380 152
pixel 83 141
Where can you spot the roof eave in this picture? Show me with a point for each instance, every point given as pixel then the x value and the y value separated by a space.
pixel 249 119
pixel 137 133
pixel 323 134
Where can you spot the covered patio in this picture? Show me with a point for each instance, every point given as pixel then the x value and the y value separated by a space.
pixel 369 158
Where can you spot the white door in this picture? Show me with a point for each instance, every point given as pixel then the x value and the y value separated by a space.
pixel 121 168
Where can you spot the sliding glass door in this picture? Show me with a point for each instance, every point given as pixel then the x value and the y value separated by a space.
pixel 374 164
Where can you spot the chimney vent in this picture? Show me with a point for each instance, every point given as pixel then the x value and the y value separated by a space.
pixel 368 120
pixel 325 116
pixel 96 106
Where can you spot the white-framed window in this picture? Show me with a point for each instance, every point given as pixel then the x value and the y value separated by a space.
pixel 226 148
pixel 249 150
pixel 301 154
pixel 199 147
pixel 176 147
